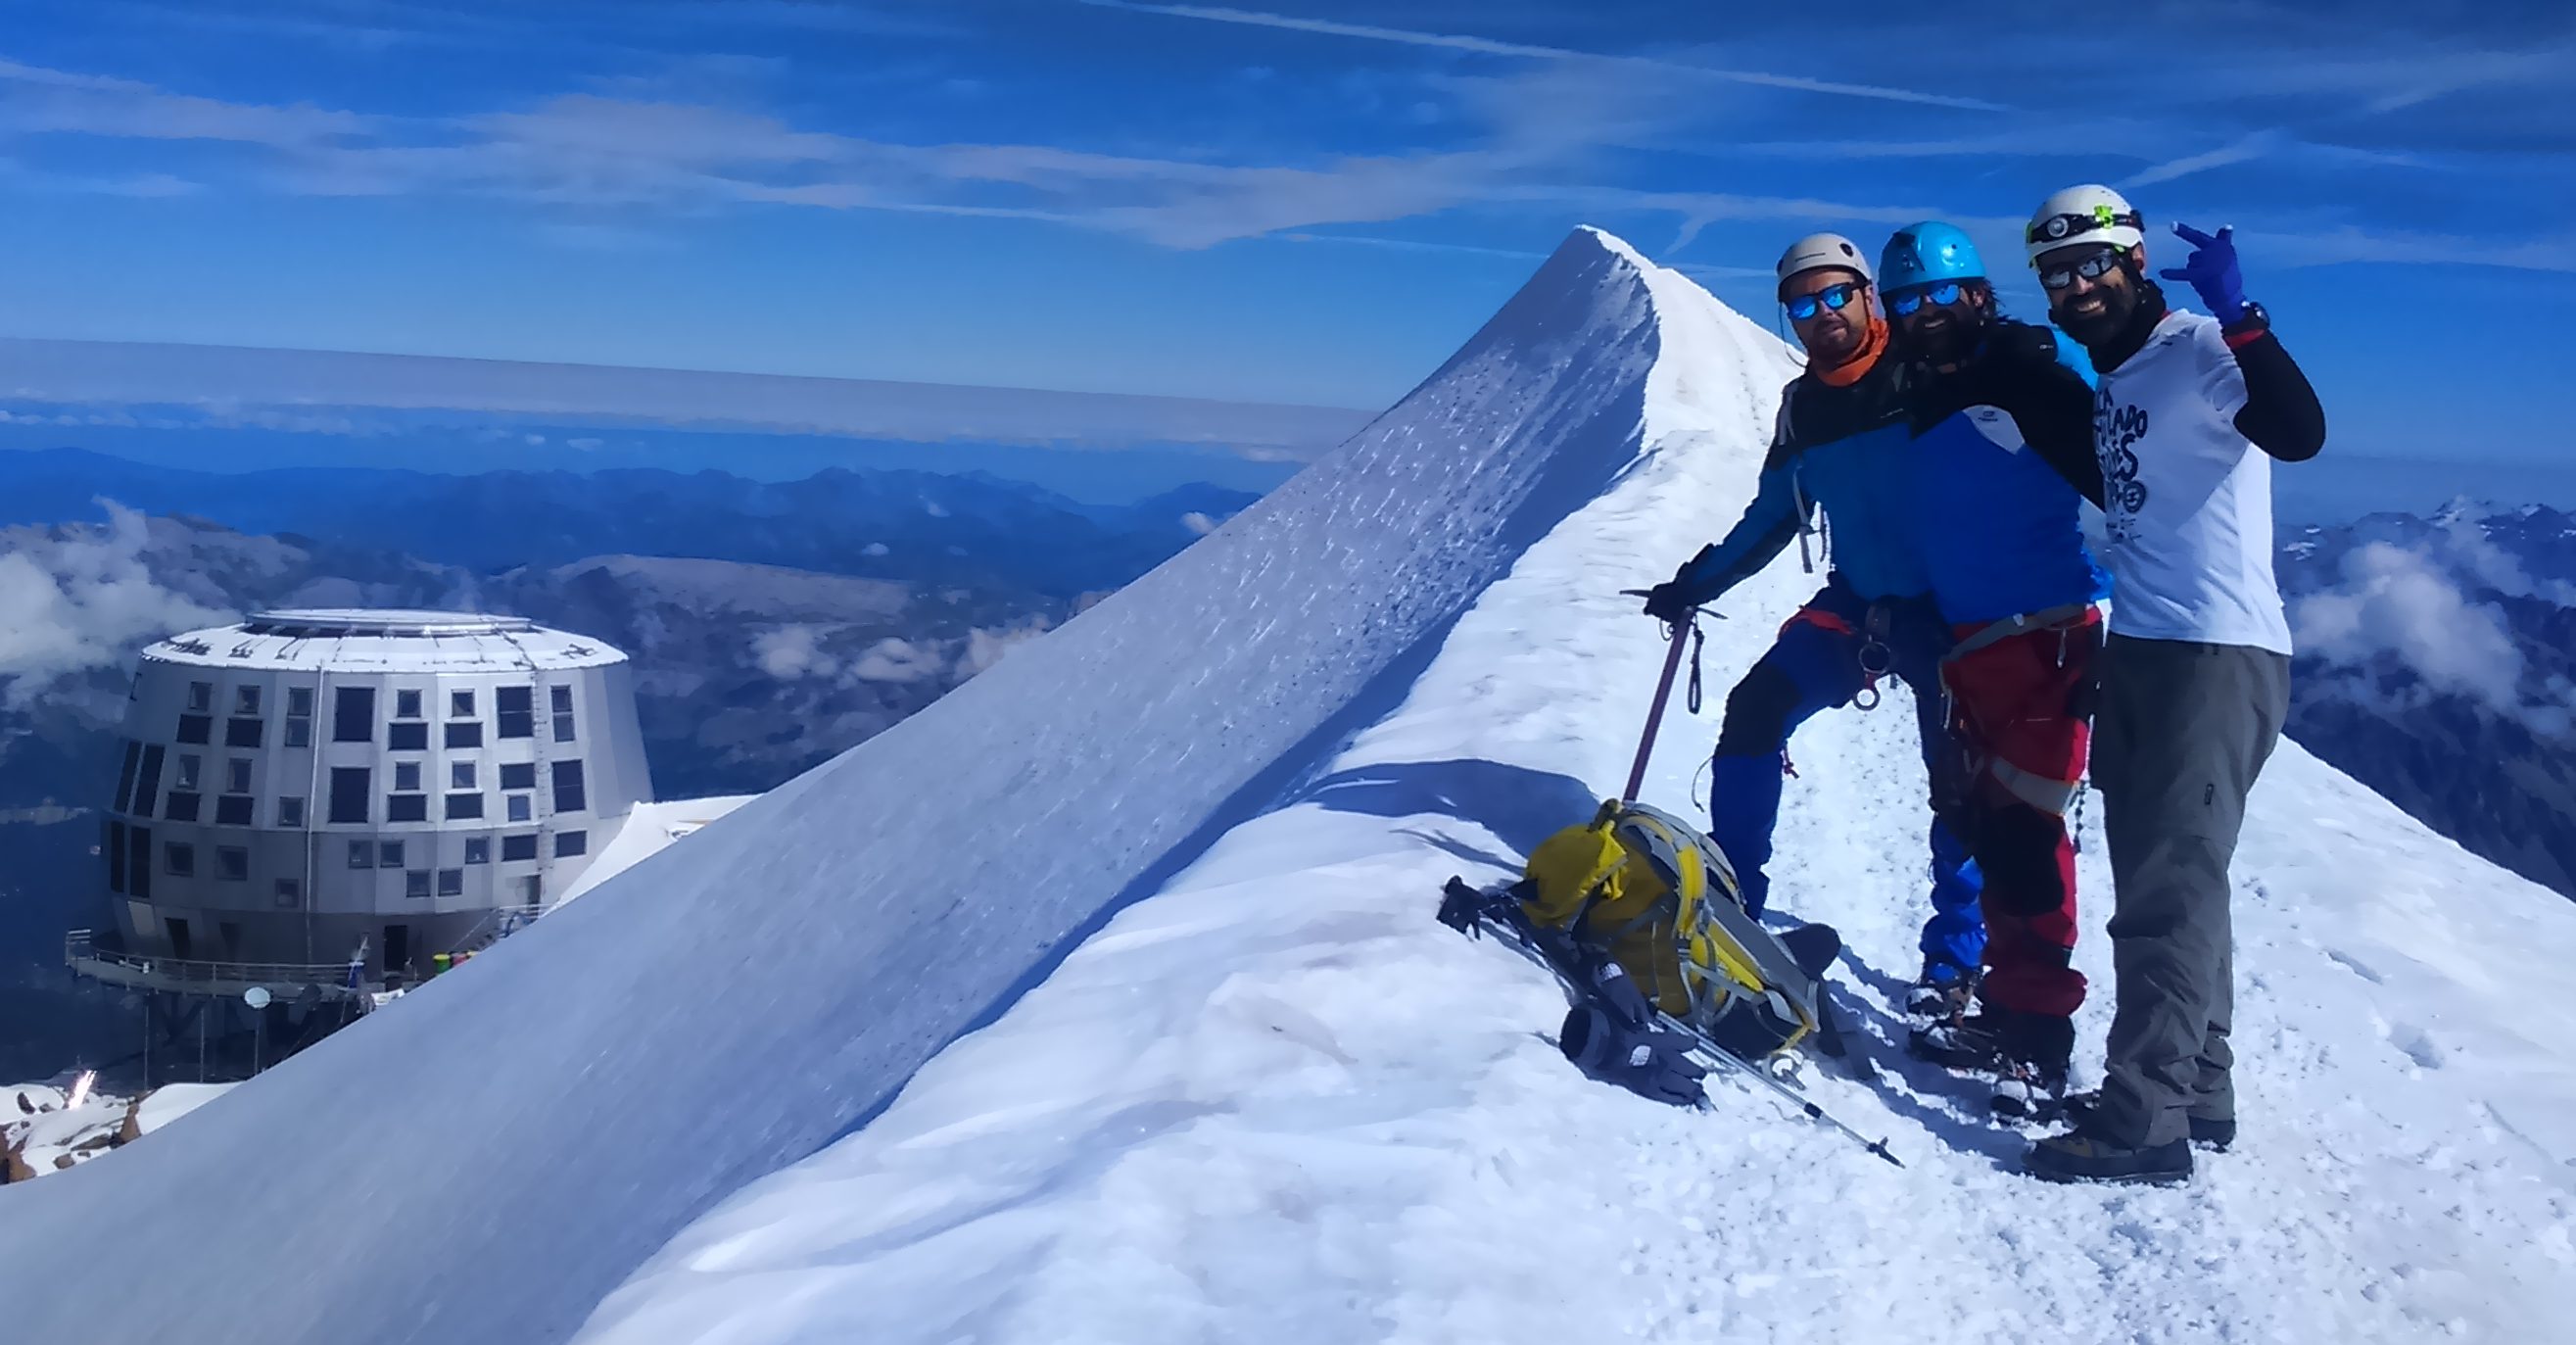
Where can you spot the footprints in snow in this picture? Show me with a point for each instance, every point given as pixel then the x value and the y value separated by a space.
pixel 2416 1043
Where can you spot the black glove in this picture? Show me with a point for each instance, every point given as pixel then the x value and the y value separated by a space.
pixel 1672 600
pixel 1667 602
pixel 1616 992
pixel 1460 905
pixel 2023 343
pixel 1651 1062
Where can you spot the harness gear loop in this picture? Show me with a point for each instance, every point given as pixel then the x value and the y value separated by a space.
pixel 1691 696
pixel 1875 657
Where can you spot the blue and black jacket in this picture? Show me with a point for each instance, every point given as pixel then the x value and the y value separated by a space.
pixel 1994 522
pixel 1843 450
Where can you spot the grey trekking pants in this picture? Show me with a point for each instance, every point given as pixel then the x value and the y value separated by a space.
pixel 2181 731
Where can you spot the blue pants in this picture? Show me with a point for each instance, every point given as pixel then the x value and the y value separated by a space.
pixel 1815 664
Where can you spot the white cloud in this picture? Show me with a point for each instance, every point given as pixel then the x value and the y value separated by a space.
pixel 83 599
pixel 2286 247
pixel 894 660
pixel 876 549
pixel 984 648
pixel 2399 605
pixel 1198 523
pixel 791 652
pixel 2252 147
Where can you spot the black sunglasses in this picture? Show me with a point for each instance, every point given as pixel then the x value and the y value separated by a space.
pixel 2092 266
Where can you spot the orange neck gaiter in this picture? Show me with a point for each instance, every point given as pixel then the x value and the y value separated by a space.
pixel 1873 343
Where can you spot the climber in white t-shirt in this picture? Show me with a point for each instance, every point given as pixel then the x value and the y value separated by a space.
pixel 2189 415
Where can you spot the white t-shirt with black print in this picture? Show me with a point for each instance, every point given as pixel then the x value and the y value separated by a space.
pixel 2187 499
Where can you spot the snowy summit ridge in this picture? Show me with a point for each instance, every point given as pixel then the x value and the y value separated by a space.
pixel 524 1133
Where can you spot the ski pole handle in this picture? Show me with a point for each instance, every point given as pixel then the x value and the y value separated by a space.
pixel 1655 715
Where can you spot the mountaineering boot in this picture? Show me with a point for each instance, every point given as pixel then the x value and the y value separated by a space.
pixel 1941 994
pixel 2211 1133
pixel 2036 1050
pixel 2085 1155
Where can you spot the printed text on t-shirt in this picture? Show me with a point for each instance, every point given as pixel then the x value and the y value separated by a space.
pixel 2115 429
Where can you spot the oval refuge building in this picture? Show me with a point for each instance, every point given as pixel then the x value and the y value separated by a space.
pixel 376 787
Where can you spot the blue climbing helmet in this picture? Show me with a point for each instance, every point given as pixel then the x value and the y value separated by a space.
pixel 1927 254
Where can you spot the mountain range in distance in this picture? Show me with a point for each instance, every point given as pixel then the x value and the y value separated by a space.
pixel 929 527
pixel 187 406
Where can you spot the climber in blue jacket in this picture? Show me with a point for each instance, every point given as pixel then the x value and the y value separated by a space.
pixel 1992 403
pixel 1840 444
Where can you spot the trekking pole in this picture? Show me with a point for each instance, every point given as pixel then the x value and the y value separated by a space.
pixel 1682 631
pixel 1795 1099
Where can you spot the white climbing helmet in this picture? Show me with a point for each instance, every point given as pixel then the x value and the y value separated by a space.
pixel 2082 215
pixel 1817 250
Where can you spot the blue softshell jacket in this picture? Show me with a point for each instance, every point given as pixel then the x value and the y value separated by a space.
pixel 1842 450
pixel 1995 527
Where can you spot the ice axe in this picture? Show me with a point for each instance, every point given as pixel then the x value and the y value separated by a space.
pixel 1685 631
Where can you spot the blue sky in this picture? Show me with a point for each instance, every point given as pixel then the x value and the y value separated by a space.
pixel 1307 204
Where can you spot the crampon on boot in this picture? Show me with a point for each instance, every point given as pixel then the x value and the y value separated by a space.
pixel 1974 1042
pixel 2036 1049
pixel 1942 994
pixel 2029 1090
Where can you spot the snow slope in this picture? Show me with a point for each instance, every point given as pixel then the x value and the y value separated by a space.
pixel 519 1138
pixel 1277 1102
pixel 650 831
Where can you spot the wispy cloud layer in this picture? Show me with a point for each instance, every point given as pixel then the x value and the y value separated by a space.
pixel 1509 132
pixel 1490 47
pixel 34 100
pixel 590 151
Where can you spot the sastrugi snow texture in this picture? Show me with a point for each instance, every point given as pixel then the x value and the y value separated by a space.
pixel 487 1160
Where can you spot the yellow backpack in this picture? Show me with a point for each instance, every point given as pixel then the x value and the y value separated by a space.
pixel 1656 895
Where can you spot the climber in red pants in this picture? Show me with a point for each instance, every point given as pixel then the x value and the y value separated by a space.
pixel 1987 399
pixel 2020 713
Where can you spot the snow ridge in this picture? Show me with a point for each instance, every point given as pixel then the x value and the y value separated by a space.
pixel 488 1162
pixel 1231 1113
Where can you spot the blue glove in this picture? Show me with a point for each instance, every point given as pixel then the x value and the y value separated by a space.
pixel 2212 272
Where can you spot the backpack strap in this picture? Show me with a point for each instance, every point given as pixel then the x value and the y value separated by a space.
pixel 1591 899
